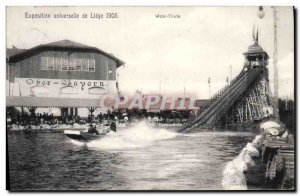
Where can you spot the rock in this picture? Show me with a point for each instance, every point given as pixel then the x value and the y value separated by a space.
pixel 285 134
pixel 273 131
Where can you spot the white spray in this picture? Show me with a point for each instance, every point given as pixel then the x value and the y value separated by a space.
pixel 233 174
pixel 140 135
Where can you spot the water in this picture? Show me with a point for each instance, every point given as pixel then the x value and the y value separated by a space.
pixel 139 158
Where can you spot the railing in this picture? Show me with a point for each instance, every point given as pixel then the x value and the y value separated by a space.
pixel 225 88
pixel 225 99
pixel 218 94
pixel 235 93
pixel 239 85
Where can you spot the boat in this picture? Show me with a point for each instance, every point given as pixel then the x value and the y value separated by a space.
pixel 91 132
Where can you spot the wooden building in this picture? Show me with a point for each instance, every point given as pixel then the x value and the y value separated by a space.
pixel 63 71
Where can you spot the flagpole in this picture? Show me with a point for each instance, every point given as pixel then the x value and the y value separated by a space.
pixel 209 88
pixel 160 83
pixel 107 79
pixel 230 73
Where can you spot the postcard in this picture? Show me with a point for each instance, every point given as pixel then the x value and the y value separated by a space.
pixel 150 98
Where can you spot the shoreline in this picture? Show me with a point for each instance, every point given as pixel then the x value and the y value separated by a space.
pixel 62 127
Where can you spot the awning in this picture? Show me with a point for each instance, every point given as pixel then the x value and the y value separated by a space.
pixel 51 102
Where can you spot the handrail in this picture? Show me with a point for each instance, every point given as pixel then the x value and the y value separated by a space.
pixel 225 88
pixel 218 104
pixel 237 92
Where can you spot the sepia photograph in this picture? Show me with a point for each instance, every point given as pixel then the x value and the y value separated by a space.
pixel 150 98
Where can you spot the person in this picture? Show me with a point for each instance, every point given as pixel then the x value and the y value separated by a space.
pixel 113 126
pixel 92 129
pixel 9 120
pixel 116 118
pixel 125 119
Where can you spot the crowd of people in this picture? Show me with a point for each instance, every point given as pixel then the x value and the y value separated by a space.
pixel 16 119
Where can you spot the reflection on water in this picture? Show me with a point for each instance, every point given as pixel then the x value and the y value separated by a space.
pixel 138 158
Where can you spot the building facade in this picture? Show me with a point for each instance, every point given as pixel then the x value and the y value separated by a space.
pixel 62 71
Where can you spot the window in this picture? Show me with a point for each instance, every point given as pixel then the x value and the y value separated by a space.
pixel 78 67
pixel 72 64
pixel 77 64
pixel 66 64
pixel 91 64
pixel 44 63
pixel 50 62
pixel 85 64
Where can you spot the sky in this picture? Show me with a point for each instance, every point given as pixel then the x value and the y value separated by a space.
pixel 167 55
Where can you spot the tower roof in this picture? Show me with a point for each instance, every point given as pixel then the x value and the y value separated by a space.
pixel 256 48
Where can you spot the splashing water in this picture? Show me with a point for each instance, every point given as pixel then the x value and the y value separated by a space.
pixel 140 135
pixel 139 158
pixel 78 143
pixel 233 174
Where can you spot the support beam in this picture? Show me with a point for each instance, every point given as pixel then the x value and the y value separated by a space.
pixel 76 112
pixel 275 18
pixel 249 109
pixel 64 112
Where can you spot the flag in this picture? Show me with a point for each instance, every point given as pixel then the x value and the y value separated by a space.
pixel 255 37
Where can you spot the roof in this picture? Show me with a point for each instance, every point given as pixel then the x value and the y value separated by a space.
pixel 15 101
pixel 12 51
pixel 63 44
pixel 66 44
pixel 256 48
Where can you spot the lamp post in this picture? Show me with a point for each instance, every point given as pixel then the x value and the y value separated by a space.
pixel 261 12
pixel 107 78
pixel 275 56
pixel 109 72
pixel 230 73
pixel 160 83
